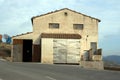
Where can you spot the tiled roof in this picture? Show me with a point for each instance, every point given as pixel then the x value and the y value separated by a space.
pixel 60 10
pixel 22 34
pixel 60 35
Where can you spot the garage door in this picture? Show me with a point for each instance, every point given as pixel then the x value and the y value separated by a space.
pixel 66 51
pixel 73 51
pixel 60 51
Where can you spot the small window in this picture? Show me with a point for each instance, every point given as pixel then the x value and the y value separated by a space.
pixel 54 25
pixel 78 26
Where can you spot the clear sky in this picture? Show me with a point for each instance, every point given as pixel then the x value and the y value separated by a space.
pixel 15 17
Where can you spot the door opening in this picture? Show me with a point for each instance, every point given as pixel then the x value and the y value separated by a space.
pixel 94 47
pixel 27 50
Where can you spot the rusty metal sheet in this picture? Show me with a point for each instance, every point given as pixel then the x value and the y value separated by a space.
pixel 17 41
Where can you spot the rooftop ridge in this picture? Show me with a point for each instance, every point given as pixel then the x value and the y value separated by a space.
pixel 60 10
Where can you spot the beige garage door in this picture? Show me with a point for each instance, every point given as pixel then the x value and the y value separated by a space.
pixel 73 51
pixel 66 50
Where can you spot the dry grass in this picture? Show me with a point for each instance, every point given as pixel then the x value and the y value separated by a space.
pixel 5 51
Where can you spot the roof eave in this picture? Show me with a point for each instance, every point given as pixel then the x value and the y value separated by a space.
pixel 22 34
pixel 60 10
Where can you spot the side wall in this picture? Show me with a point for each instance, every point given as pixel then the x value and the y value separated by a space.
pixel 47 50
pixel 16 50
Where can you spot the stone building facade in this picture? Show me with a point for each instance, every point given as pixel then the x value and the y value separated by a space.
pixel 62 36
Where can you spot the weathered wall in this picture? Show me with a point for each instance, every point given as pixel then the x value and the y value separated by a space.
pixel 92 64
pixel 47 51
pixel 41 25
pixel 89 33
pixel 97 57
pixel 17 53
pixel 16 50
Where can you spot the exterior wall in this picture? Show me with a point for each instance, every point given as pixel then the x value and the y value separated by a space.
pixel 16 50
pixel 47 51
pixel 17 53
pixel 97 57
pixel 89 33
pixel 92 64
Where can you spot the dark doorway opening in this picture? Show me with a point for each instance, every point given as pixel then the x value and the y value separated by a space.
pixel 94 47
pixel 27 50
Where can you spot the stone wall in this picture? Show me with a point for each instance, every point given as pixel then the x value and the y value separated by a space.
pixel 17 53
pixel 97 57
pixel 92 64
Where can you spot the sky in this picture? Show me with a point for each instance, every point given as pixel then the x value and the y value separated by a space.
pixel 15 17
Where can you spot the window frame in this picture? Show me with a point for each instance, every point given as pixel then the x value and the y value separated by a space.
pixel 78 26
pixel 54 25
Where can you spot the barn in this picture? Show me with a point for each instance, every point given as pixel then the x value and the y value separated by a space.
pixel 60 36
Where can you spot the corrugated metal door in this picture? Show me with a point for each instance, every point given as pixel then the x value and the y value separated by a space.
pixel 73 51
pixel 59 51
pixel 66 51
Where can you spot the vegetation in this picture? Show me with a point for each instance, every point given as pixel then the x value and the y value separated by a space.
pixel 5 50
